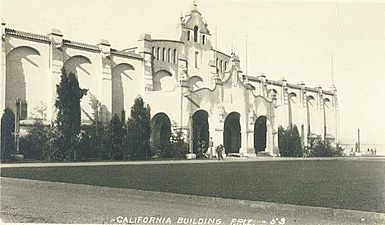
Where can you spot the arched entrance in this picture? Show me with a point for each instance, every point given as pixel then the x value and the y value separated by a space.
pixel 200 129
pixel 161 133
pixel 232 133
pixel 260 134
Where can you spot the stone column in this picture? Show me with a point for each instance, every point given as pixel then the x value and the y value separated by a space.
pixel 320 113
pixel 244 134
pixel 272 130
pixel 56 64
pixel 285 104
pixel 185 116
pixel 250 134
pixel 184 111
pixel 303 114
pixel 216 127
pixel 336 119
pixel 217 119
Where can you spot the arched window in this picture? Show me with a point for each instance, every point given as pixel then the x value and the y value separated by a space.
pixel 221 66
pixel 196 59
pixel 169 55
pixel 225 66
pixel 204 39
pixel 196 34
pixel 188 35
pixel 164 54
pixel 158 54
pixel 153 52
pixel 175 56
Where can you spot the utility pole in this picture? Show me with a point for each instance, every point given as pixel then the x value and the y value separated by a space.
pixel 332 62
pixel 247 68
pixel 17 126
pixel 324 112
pixel 21 114
pixel 358 141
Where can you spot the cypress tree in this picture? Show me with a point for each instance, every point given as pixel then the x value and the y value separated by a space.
pixel 7 129
pixel 117 137
pixel 139 130
pixel 68 121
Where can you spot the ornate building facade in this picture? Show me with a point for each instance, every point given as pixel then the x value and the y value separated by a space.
pixel 189 85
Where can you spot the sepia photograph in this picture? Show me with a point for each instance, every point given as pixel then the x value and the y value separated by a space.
pixel 192 112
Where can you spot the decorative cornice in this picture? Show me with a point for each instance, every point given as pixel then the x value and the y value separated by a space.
pixel 216 51
pixel 293 86
pixel 126 54
pixel 27 35
pixel 166 40
pixel 80 45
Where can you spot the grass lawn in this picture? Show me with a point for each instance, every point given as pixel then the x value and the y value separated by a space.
pixel 346 184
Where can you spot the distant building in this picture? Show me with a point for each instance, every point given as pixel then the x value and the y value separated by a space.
pixel 188 84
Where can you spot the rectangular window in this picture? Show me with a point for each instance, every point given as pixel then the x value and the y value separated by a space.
pixel 169 55
pixel 175 56
pixel 196 59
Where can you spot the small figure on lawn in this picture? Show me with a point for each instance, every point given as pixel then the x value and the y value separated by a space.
pixel 219 150
pixel 211 145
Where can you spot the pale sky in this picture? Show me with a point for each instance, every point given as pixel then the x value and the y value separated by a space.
pixel 291 39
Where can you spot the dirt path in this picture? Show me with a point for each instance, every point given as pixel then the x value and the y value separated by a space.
pixel 30 201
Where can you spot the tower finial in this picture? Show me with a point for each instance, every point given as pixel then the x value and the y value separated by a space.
pixel 194 5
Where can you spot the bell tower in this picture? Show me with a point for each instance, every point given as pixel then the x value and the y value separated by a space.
pixel 194 29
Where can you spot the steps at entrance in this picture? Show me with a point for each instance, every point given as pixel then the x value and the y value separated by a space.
pixel 263 154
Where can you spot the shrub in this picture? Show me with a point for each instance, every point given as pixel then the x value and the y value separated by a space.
pixel 116 138
pixel 178 147
pixel 35 145
pixel 289 142
pixel 324 148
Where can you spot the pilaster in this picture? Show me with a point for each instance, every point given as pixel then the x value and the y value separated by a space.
pixel 2 73
pixel 216 124
pixel 250 133
pixel 274 127
pixel 105 83
pixel 144 49
pixel 56 65
pixel 3 67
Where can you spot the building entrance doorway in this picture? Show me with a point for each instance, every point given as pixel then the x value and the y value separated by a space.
pixel 201 133
pixel 232 133
pixel 260 134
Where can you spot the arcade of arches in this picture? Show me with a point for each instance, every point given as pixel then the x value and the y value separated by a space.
pixel 161 132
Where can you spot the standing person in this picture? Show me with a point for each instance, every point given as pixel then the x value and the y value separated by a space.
pixel 219 150
pixel 211 145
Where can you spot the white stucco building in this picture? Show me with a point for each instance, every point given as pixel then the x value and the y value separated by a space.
pixel 186 82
